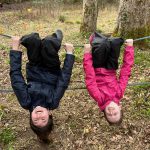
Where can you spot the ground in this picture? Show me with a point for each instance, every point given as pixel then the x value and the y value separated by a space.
pixel 79 125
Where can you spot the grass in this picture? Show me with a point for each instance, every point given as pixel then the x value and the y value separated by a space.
pixel 141 101
pixel 62 18
pixel 4 47
pixel 7 136
pixel 78 55
pixel 1 112
pixel 142 58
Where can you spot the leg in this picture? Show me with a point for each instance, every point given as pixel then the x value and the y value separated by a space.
pixel 50 48
pixel 112 62
pixel 100 50
pixel 33 44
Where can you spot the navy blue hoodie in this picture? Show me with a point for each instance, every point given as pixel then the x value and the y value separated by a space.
pixel 43 88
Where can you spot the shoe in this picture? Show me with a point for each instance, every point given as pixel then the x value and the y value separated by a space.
pixel 58 34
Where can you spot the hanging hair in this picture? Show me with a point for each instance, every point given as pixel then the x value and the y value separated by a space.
pixel 117 123
pixel 43 132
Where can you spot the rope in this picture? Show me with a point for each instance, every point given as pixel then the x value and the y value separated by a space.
pixel 80 88
pixel 7 36
pixel 130 84
pixel 143 38
pixel 76 45
pixel 138 39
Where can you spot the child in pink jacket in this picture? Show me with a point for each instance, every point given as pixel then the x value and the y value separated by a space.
pixel 100 63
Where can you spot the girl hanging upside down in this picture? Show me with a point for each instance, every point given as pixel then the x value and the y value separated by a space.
pixel 100 64
pixel 46 81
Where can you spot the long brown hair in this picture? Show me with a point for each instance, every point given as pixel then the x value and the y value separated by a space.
pixel 117 123
pixel 43 132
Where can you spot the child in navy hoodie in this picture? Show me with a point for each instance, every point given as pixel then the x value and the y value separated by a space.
pixel 46 81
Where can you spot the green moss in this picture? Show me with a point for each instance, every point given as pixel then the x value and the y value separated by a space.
pixel 134 34
pixel 124 17
pixel 78 22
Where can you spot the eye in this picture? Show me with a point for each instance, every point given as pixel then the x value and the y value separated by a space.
pixel 108 114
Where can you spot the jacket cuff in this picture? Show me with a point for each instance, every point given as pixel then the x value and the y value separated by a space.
pixel 87 56
pixel 129 48
pixel 15 51
pixel 70 56
pixel 70 53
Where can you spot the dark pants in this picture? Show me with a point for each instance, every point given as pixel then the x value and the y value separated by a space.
pixel 42 52
pixel 106 51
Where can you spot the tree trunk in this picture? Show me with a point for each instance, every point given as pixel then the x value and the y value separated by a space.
pixel 90 13
pixel 133 18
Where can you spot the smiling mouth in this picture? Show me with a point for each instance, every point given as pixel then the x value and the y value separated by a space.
pixel 39 111
pixel 110 107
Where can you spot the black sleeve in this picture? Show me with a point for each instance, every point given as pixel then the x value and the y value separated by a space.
pixel 17 81
pixel 63 81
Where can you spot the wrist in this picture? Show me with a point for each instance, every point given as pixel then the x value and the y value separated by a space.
pixel 87 52
pixel 15 46
pixel 129 45
pixel 17 49
pixel 69 52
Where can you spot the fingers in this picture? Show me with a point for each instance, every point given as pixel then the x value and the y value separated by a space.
pixel 69 47
pixel 129 42
pixel 15 42
pixel 87 48
pixel 92 36
pixel 16 38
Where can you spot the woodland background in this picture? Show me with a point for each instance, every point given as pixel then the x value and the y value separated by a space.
pixel 79 125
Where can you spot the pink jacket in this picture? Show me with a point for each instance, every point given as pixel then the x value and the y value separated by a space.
pixel 102 84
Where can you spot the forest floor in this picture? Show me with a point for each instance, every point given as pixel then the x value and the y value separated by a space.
pixel 79 125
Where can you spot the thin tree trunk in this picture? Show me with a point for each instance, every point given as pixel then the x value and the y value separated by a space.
pixel 90 13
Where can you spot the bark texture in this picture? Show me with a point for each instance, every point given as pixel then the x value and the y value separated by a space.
pixel 133 18
pixel 90 13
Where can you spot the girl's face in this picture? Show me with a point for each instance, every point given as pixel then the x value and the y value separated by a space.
pixel 40 116
pixel 113 112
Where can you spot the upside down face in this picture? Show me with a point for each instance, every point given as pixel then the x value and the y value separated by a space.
pixel 113 112
pixel 40 116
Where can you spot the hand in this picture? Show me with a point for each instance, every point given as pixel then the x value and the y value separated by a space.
pixel 129 42
pixel 87 48
pixel 69 48
pixel 92 36
pixel 16 43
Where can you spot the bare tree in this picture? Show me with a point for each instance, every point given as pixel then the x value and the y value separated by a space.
pixel 133 18
pixel 90 13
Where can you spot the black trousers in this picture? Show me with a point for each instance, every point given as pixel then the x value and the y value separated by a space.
pixel 42 52
pixel 106 51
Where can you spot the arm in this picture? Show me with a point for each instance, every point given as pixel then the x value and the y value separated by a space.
pixel 17 81
pixel 64 78
pixel 90 78
pixel 125 71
